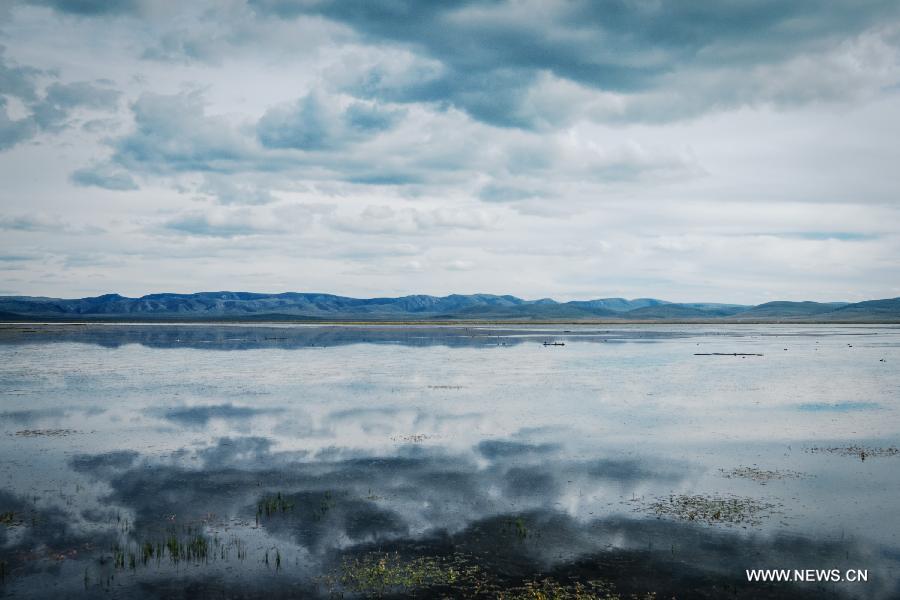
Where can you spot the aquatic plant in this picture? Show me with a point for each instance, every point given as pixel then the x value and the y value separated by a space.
pixel 192 547
pixel 326 504
pixel 378 573
pixel 761 476
pixel 517 527
pixel 458 576
pixel 549 589
pixel 862 452
pixel 46 432
pixel 731 510
pixel 412 438
pixel 270 505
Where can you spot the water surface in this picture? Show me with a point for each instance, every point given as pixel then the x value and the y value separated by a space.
pixel 313 461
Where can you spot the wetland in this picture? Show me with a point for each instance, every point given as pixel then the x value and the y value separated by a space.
pixel 507 462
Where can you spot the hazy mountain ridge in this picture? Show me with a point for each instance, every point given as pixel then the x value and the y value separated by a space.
pixel 323 307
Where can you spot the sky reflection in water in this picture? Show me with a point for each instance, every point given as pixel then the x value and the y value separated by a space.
pixel 529 460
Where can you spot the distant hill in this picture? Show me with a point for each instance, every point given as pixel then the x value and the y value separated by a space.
pixel 782 309
pixel 314 307
pixel 888 309
pixel 685 311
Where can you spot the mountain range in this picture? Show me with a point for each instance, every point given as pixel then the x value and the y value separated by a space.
pixel 312 307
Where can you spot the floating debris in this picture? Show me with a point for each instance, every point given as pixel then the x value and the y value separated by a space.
pixel 727 510
pixel 444 387
pixel 862 452
pixel 761 476
pixel 554 343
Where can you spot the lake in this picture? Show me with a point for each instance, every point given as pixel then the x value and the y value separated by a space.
pixel 486 462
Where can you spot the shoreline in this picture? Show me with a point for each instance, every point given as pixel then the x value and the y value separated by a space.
pixel 438 323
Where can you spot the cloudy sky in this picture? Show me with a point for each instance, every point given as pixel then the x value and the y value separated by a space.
pixel 729 151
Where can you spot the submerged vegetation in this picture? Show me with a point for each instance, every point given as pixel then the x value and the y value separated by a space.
pixel 730 510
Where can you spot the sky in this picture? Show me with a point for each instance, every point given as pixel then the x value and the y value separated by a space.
pixel 729 151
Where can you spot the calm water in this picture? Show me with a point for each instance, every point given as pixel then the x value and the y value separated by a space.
pixel 298 461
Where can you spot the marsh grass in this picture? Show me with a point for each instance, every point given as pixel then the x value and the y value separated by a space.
pixel 46 432
pixel 189 547
pixel 327 503
pixel 726 510
pixel 549 589
pixel 382 574
pixel 861 452
pixel 761 476
pixel 412 438
pixel 517 527
pixel 272 505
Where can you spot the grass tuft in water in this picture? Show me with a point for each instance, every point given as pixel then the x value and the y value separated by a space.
pixel 387 574
pixel 730 510
pixel 272 505
pixel 861 452
pixel 761 476
pixel 379 573
pixel 549 589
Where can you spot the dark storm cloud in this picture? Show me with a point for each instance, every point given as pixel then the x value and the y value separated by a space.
pixel 489 54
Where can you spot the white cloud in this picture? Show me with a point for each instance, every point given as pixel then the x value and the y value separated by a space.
pixel 181 148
